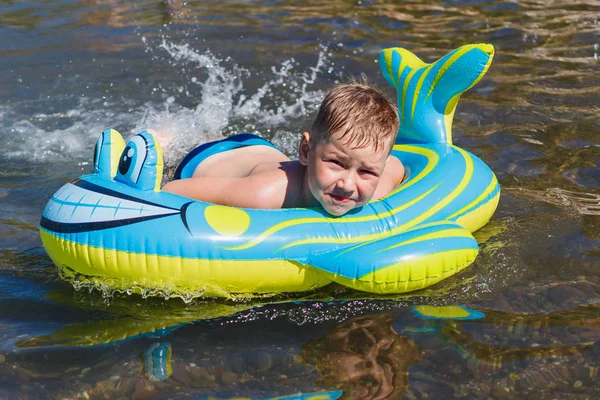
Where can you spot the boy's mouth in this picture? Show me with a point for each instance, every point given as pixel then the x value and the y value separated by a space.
pixel 339 199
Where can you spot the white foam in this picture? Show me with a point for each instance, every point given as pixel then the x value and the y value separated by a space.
pixel 226 107
pixel 26 139
pixel 223 105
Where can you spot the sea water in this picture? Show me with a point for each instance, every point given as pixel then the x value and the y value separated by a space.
pixel 521 322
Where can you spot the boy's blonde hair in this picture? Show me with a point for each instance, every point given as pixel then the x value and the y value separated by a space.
pixel 359 112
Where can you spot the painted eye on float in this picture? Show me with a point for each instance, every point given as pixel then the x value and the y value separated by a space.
pixel 125 162
pixel 140 164
pixel 133 158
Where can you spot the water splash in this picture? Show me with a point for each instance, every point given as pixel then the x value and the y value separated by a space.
pixel 226 106
pixel 217 99
pixel 50 136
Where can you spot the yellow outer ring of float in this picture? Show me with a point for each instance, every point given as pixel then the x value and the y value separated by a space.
pixel 180 275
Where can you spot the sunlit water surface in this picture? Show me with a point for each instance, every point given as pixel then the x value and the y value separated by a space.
pixel 199 71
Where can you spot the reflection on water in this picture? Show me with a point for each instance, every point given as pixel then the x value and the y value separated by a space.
pixel 365 358
pixel 495 351
pixel 583 203
pixel 200 70
pixel 417 351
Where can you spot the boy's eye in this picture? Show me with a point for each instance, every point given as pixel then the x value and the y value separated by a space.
pixel 368 172
pixel 335 162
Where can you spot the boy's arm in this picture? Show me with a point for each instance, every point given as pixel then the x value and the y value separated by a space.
pixel 393 174
pixel 253 191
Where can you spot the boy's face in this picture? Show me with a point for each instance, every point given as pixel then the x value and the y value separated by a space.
pixel 340 176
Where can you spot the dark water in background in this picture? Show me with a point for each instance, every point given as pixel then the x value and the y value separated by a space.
pixel 199 70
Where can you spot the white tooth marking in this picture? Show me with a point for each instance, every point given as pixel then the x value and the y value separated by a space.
pixel 96 207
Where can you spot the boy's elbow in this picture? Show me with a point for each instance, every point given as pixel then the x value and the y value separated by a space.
pixel 266 198
pixel 182 187
pixel 170 187
pixel 401 171
pixel 386 185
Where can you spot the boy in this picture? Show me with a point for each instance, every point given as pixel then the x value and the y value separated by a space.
pixel 344 162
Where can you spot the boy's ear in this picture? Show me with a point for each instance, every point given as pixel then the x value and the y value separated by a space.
pixel 304 148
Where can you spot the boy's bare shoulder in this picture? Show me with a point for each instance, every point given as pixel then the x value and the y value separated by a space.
pixel 392 176
pixel 277 184
pixel 395 168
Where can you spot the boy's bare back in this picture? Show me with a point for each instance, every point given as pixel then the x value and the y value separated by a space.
pixel 239 162
pixel 249 177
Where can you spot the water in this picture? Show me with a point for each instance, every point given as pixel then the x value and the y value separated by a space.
pixel 202 70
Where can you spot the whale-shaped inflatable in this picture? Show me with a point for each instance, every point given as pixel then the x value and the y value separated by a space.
pixel 116 230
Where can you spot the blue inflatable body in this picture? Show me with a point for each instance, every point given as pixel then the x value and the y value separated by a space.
pixel 115 229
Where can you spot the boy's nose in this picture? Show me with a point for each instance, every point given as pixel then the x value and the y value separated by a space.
pixel 345 186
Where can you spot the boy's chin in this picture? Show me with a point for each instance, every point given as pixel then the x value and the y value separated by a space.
pixel 336 211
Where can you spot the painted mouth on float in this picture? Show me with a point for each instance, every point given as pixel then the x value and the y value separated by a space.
pixel 81 206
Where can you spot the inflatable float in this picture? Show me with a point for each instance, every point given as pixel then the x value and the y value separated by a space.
pixel 115 229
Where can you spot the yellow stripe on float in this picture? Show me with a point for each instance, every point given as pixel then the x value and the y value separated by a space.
pixel 159 165
pixel 418 91
pixel 404 89
pixel 117 144
pixel 400 70
pixel 449 116
pixel 388 63
pixel 452 232
pixel 489 189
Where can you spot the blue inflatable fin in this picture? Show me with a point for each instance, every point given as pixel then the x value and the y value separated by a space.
pixel 404 262
pixel 109 147
pixel 428 93
pixel 141 163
